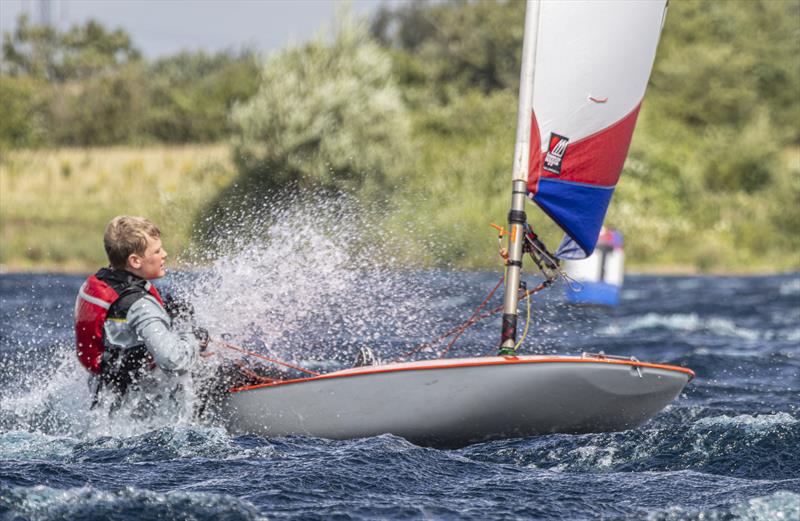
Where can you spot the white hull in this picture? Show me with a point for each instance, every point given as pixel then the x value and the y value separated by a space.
pixel 454 402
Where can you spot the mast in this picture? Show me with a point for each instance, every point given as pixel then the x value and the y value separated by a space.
pixel 519 178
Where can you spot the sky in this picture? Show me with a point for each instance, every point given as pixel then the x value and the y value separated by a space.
pixel 163 27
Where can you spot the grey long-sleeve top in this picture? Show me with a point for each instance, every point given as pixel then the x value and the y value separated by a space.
pixel 148 323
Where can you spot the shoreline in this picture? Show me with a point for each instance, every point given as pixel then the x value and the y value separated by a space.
pixel 654 270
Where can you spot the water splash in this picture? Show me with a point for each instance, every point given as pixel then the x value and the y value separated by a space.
pixel 723 451
pixel 304 288
pixel 55 399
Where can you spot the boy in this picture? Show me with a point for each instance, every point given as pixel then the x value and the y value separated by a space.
pixel 122 330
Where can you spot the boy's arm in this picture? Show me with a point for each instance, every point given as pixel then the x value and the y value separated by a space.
pixel 171 350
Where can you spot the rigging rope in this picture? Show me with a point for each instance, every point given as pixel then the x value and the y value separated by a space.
pixel 243 369
pixel 477 310
pixel 527 323
pixel 257 355
pixel 457 329
pixel 474 319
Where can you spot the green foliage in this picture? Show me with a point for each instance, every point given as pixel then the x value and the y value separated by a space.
pixel 326 115
pixel 88 86
pixel 191 94
pixel 102 110
pixel 45 53
pixel 457 44
pixel 707 183
pixel 22 102
pixel 460 182
pixel 427 108
pixel 719 63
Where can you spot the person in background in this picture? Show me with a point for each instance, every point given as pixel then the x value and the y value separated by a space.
pixel 123 332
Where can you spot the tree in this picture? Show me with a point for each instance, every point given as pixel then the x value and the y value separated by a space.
pixel 326 115
pixel 43 52
pixel 102 110
pixel 464 44
pixel 191 94
pixel 22 112
pixel 717 65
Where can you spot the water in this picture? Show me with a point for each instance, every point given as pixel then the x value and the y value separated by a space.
pixel 727 448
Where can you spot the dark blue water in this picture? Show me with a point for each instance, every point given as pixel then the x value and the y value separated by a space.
pixel 727 448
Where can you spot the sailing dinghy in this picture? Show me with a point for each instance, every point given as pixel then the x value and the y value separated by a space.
pixel 585 67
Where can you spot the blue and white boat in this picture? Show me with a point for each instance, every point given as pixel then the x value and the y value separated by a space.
pixel 599 276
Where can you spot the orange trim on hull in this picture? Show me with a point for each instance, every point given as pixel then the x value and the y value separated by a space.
pixel 466 362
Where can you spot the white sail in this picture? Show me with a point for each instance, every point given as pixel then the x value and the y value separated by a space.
pixel 593 61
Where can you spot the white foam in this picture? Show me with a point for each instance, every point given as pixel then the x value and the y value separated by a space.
pixel 596 457
pixel 55 400
pixel 688 322
pixel 780 506
pixel 793 335
pixel 751 423
pixel 790 287
pixel 41 502
pixel 23 445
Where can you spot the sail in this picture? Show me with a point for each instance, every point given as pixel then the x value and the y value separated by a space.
pixel 593 60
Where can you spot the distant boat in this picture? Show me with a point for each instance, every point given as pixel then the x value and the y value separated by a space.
pixel 600 276
pixel 585 67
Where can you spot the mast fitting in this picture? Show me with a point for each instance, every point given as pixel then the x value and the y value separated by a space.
pixel 517 217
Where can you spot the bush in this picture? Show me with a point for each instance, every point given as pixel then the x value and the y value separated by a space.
pixel 190 95
pixel 327 115
pixel 22 112
pixel 103 110
pixel 457 44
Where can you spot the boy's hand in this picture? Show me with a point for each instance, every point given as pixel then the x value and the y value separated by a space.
pixel 178 309
pixel 201 334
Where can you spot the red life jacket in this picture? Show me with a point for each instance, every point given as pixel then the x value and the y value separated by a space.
pixel 95 298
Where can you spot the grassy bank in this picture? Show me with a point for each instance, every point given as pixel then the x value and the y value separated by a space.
pixel 54 204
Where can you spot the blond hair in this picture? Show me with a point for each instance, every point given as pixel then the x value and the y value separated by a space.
pixel 126 235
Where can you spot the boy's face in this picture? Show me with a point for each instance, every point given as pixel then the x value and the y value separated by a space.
pixel 150 265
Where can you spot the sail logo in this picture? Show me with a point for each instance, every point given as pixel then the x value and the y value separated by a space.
pixel 555 153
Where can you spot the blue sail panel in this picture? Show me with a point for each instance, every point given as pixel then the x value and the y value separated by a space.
pixel 579 209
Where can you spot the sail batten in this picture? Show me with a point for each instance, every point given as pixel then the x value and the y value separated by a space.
pixel 593 62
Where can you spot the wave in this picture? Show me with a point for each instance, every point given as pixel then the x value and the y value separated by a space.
pixel 684 322
pixel 790 287
pixel 363 479
pixel 759 424
pixel 88 503
pixel 780 505
pixel 745 446
pixel 158 445
pixel 26 446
